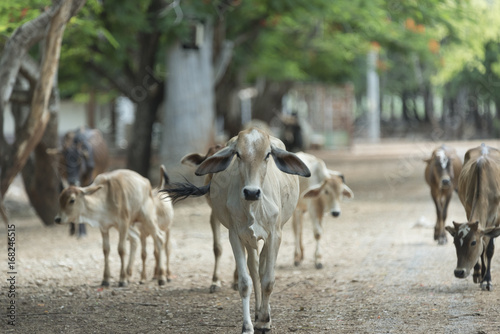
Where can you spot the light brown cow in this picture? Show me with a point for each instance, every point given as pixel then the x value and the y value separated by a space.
pixel 137 232
pixel 115 199
pixel 479 192
pixel 441 174
pixel 320 194
pixel 253 195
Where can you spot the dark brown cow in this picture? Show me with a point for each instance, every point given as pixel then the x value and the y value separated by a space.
pixel 479 192
pixel 441 174
pixel 83 156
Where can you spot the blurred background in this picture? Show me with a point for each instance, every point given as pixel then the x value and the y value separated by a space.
pixel 162 79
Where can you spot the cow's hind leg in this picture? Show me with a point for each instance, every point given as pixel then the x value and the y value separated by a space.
pixel 297 231
pixel 486 283
pixel 215 225
pixel 133 236
pixel 123 232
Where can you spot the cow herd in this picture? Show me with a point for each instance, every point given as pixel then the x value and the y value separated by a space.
pixel 254 186
pixel 477 182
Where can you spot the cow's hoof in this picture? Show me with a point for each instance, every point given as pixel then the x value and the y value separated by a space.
pixel 442 241
pixel 105 284
pixel 319 265
pixel 296 263
pixel 486 286
pixel 162 282
pixel 214 288
pixel 247 329
pixel 122 284
pixel 476 278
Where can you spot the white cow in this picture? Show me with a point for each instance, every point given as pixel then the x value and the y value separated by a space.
pixel 253 196
pixel 320 194
pixel 137 232
pixel 115 199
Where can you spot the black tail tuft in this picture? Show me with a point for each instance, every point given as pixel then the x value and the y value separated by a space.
pixel 178 191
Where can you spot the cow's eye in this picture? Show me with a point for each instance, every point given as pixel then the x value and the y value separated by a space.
pixel 473 243
pixel 326 192
pixel 238 155
pixel 267 156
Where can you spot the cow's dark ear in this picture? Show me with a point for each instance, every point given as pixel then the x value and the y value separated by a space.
pixel 451 230
pixel 217 162
pixel 474 226
pixel 492 232
pixel 194 159
pixel 289 163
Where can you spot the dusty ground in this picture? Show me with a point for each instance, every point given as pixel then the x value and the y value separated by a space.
pixel 383 273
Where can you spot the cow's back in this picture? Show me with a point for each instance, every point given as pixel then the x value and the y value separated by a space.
pixel 128 193
pixel 479 184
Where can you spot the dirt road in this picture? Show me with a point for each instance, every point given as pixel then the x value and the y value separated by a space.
pixel 383 272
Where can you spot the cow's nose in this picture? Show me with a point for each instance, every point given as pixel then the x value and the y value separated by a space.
pixel 459 273
pixel 251 194
pixel 445 182
pixel 335 213
pixel 58 220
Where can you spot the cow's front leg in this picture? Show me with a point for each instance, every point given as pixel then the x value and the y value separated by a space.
pixel 477 273
pixel 253 267
pixel 437 204
pixel 486 283
pixel 318 231
pixel 297 231
pixel 105 250
pixel 268 258
pixel 441 233
pixel 244 281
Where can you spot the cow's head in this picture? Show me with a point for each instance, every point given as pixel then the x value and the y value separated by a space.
pixel 469 244
pixel 72 203
pixel 330 192
pixel 253 148
pixel 441 167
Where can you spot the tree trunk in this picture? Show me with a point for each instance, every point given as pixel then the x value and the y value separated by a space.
pixel 269 102
pixel 188 118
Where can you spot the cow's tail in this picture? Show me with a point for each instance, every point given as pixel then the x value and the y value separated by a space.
pixel 178 191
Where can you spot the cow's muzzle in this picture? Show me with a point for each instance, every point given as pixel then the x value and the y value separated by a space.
pixel 58 220
pixel 460 273
pixel 335 213
pixel 251 194
pixel 445 183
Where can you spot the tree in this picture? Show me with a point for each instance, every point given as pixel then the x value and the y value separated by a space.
pixel 30 130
